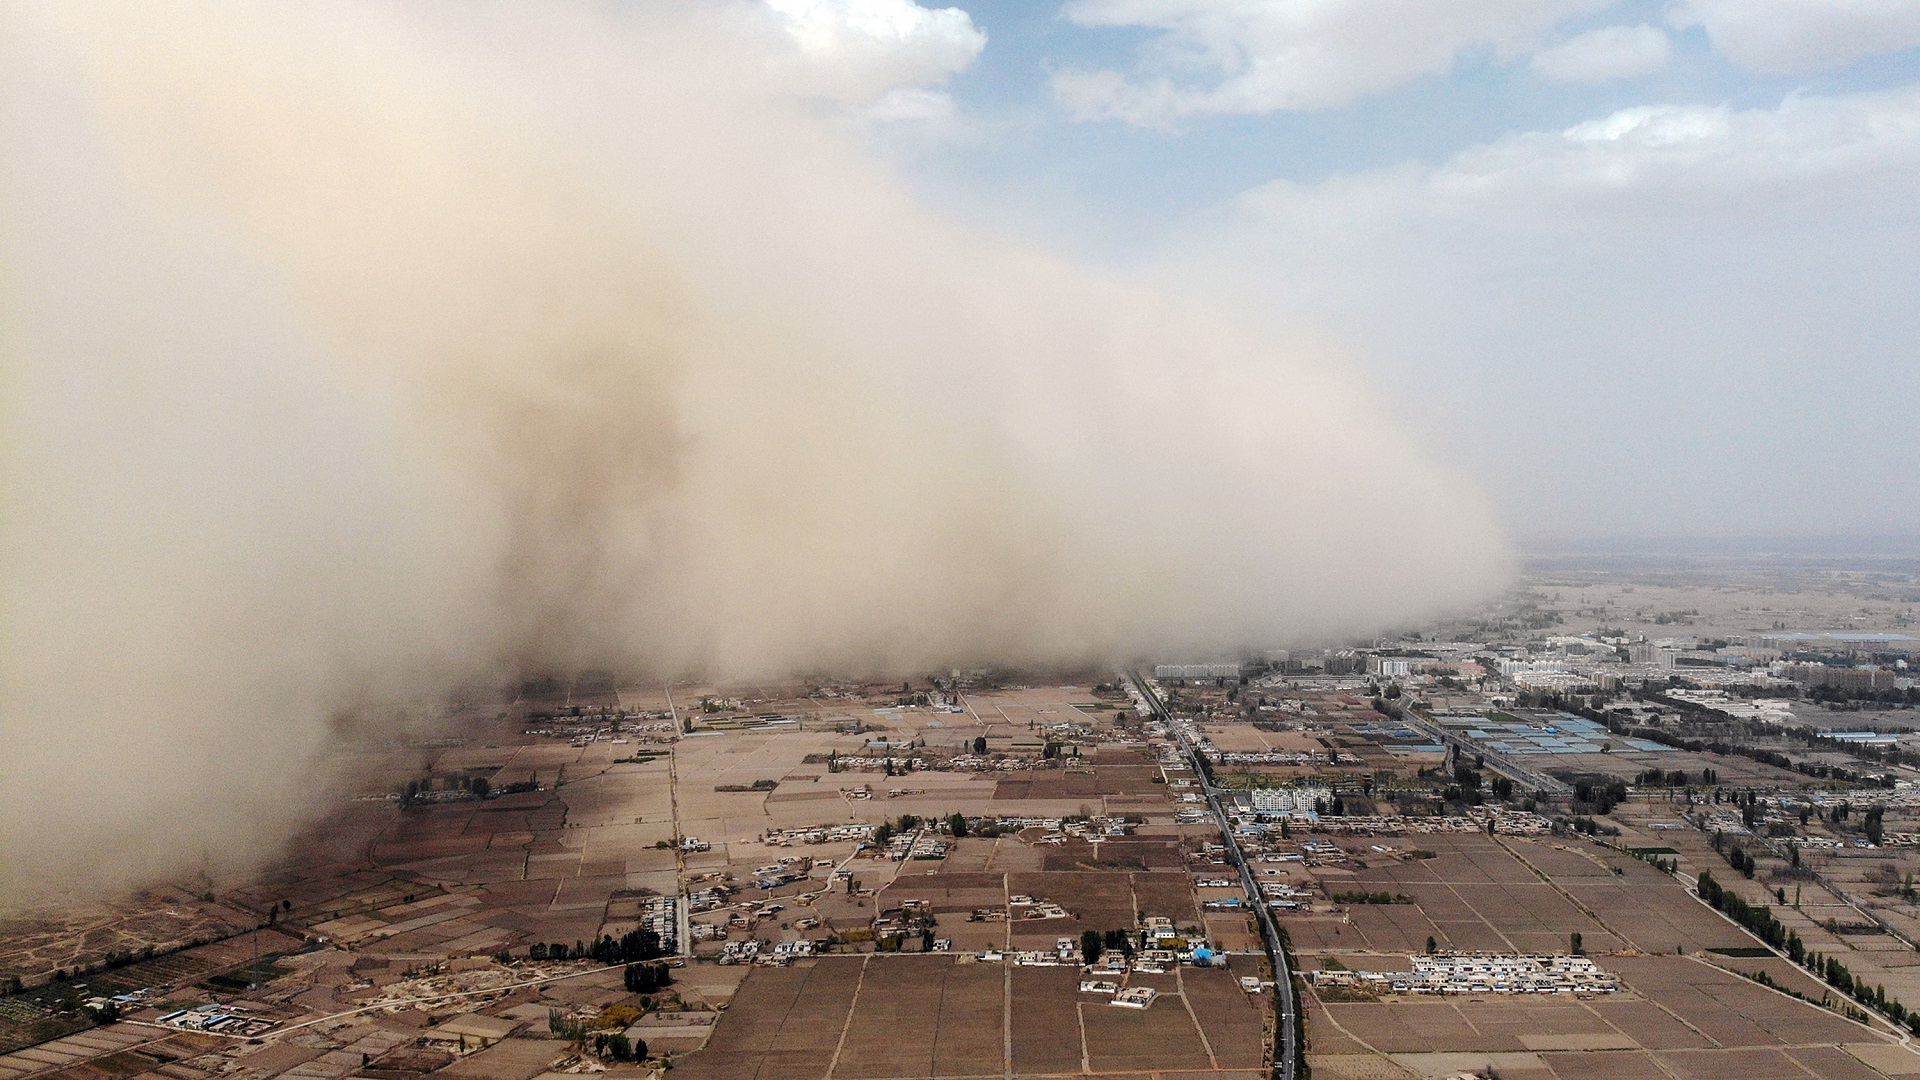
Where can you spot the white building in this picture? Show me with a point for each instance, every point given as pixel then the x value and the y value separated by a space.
pixel 1390 667
pixel 1289 800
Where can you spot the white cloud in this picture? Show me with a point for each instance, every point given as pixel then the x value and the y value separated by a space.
pixel 1669 151
pixel 1649 158
pixel 1671 318
pixel 862 50
pixel 1800 37
pixel 1612 52
pixel 913 103
pixel 1247 57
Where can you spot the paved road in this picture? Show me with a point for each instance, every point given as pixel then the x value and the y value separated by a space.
pixel 1285 1002
pixel 683 917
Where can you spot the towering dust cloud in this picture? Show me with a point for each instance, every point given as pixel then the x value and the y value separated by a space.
pixel 354 353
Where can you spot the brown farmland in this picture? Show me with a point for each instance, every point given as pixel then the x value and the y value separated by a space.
pixel 942 1016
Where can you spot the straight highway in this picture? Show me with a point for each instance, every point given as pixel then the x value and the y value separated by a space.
pixel 1286 1050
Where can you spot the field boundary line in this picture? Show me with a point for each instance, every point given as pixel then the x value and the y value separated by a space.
pixel 1006 996
pixel 939 1009
pixel 847 1024
pixel 1904 1043
pixel 137 1044
pixel 1180 979
pixel 1892 1034
pixel 1564 894
pixel 1080 1017
pixel 1478 914
pixel 1344 1030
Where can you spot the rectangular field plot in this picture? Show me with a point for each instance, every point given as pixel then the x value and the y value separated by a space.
pixel 866 1018
pixel 972 1036
pixel 1644 906
pixel 1650 1025
pixel 1729 1009
pixel 1475 895
pixel 1677 1017
pixel 1046 1020
pixel 1161 1036
pixel 1233 1021
pixel 1389 928
pixel 901 1024
pixel 783 1022
pixel 1094 901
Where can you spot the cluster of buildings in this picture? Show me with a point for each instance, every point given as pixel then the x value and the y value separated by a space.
pixel 226 1019
pixel 1091 830
pixel 661 915
pixel 587 725
pixel 1197 671
pixel 1283 897
pixel 1762 710
pixel 1476 819
pixel 918 844
pixel 1112 966
pixel 1850 679
pixel 1307 800
pixel 1130 997
pixel 707 899
pixel 1479 973
pixel 817 834
pixel 786 871
pixel 1325 662
pixel 766 953
pixel 1848 662
pixel 1279 757
pixel 765 722
pixel 1022 906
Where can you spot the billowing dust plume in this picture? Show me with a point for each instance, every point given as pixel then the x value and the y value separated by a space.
pixel 354 353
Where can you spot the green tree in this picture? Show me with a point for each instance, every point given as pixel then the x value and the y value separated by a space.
pixel 980 744
pixel 1578 944
pixel 647 978
pixel 1092 944
pixel 560 1025
pixel 958 823
pixel 1432 945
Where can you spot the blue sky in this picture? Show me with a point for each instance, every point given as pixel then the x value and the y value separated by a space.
pixel 1643 268
pixel 1114 166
